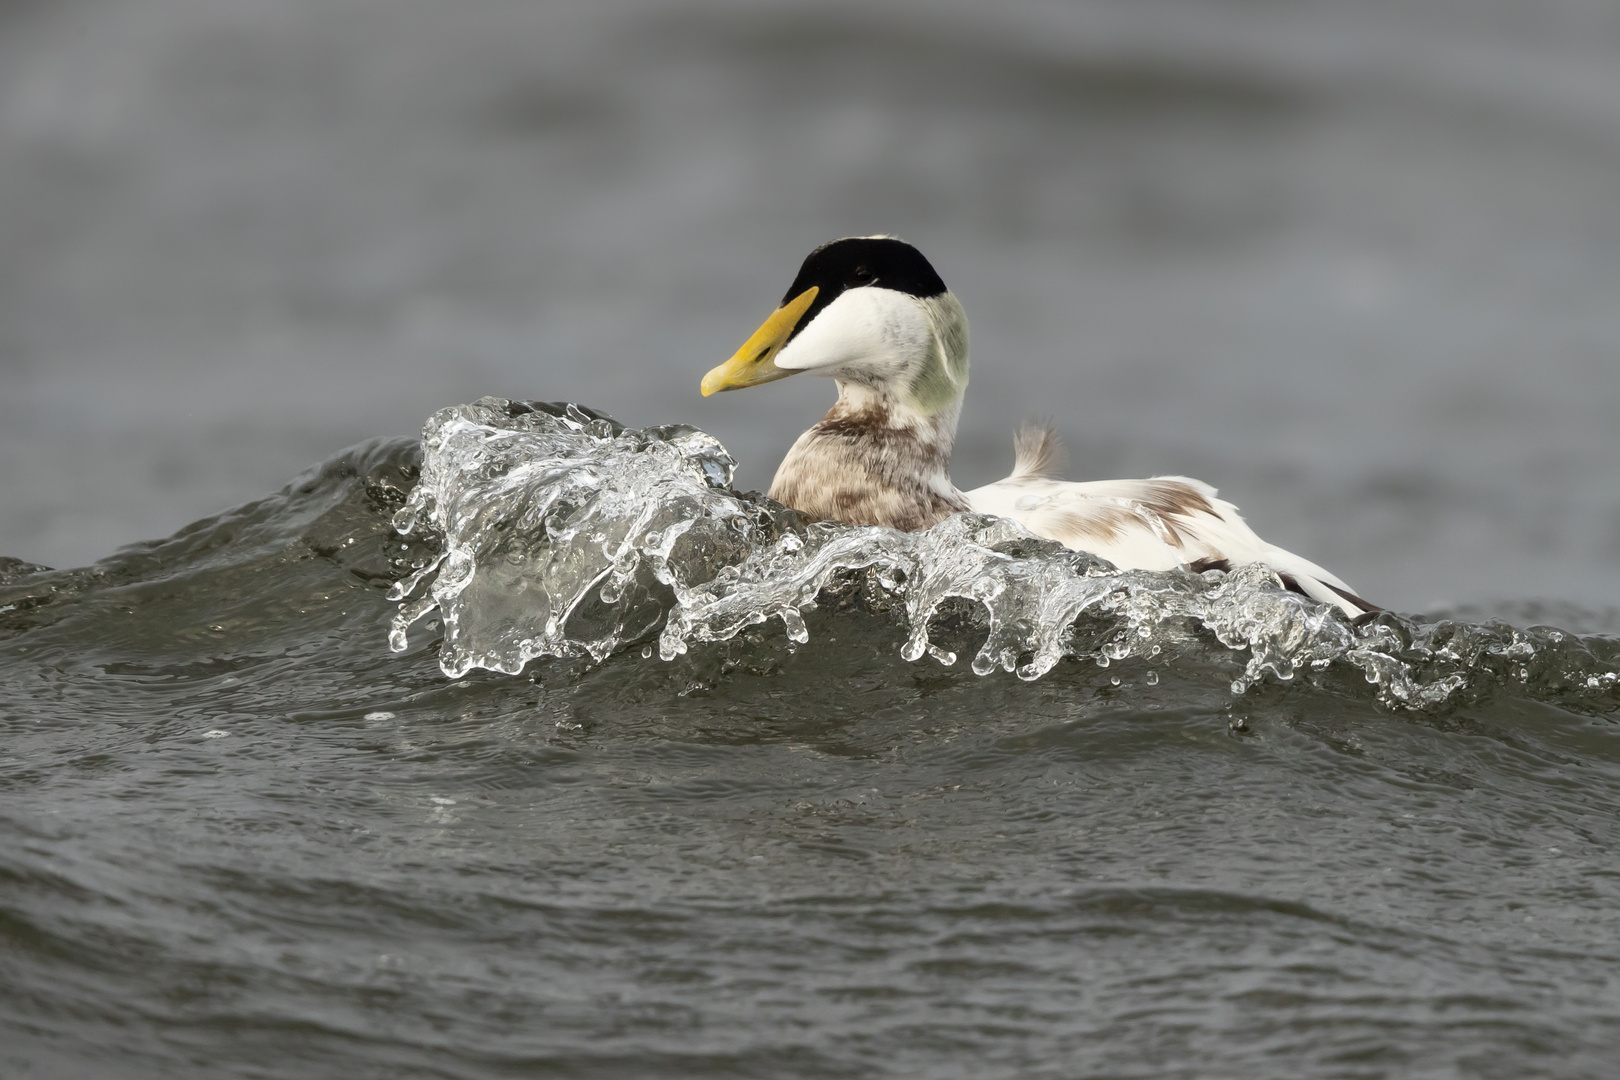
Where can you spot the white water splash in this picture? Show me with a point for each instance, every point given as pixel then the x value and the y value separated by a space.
pixel 564 534
pixel 557 529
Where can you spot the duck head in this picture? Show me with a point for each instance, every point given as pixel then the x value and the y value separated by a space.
pixel 872 313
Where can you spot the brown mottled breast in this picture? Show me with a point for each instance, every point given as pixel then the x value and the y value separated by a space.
pixel 855 469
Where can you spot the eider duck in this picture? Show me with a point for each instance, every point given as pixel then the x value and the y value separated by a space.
pixel 873 314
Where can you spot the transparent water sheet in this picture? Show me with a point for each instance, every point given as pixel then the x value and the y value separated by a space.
pixel 565 534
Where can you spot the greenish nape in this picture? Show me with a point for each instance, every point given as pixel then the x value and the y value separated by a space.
pixel 943 377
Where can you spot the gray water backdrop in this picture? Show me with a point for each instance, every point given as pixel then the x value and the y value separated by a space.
pixel 1354 263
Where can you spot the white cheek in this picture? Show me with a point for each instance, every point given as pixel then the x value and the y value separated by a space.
pixel 868 328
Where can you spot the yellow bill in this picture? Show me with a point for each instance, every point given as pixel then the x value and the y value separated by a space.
pixel 755 362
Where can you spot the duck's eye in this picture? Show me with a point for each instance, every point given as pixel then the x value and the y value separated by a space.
pixel 861 276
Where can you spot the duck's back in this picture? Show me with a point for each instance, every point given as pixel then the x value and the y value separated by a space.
pixel 1160 523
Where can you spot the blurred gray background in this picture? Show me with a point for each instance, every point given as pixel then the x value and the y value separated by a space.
pixel 1355 263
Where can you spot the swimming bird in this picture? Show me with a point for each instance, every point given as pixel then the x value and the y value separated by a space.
pixel 873 314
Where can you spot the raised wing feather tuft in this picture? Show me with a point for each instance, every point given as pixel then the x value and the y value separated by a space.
pixel 1038 452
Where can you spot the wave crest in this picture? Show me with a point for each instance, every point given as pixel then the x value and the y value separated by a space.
pixel 564 534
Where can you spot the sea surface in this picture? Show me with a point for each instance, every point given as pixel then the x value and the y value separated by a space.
pixel 467 733
pixel 535 748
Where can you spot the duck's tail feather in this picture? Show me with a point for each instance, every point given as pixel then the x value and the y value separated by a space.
pixel 1343 599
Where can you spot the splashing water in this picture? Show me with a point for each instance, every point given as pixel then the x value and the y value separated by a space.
pixel 565 534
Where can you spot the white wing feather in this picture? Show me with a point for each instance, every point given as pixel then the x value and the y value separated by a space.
pixel 1156 524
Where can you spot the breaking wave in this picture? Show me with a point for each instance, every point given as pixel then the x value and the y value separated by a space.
pixel 553 531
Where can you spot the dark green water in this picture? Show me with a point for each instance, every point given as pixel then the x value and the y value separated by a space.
pixel 239 837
